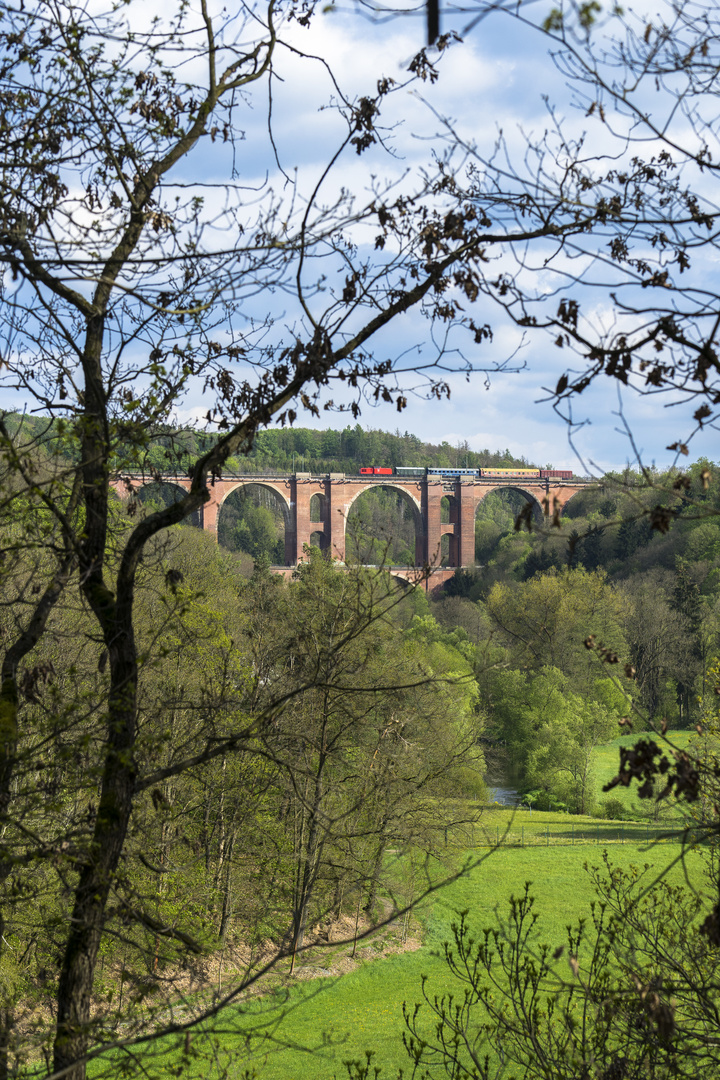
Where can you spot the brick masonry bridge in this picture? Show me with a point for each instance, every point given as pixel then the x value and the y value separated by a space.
pixel 316 509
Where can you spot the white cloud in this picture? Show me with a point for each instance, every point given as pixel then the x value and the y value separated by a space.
pixel 496 80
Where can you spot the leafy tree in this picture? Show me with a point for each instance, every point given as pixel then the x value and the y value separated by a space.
pixel 550 734
pixel 560 760
pixel 366 754
pixel 660 640
pixel 546 620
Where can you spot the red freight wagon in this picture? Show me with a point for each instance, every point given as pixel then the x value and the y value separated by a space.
pixel 375 472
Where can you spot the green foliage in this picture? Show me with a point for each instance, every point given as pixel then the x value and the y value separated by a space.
pixel 381 529
pixel 251 520
pixel 550 734
pixel 632 990
pixel 546 621
pixel 613 809
pixel 288 735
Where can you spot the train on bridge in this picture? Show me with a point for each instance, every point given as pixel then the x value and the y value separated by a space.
pixel 480 474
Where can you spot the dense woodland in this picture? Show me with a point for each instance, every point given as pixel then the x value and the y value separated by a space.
pixel 289 734
pixel 613 568
pixel 283 450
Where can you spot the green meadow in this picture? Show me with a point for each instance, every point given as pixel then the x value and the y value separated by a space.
pixel 307 1031
pixel 606 767
pixel 306 1028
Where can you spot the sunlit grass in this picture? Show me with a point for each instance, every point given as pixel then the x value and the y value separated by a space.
pixel 326 1021
pixel 606 766
pixel 339 1018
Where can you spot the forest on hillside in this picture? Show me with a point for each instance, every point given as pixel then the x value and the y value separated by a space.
pixel 633 567
pixel 633 563
pixel 279 450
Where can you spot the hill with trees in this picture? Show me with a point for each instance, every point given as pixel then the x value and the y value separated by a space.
pixel 279 450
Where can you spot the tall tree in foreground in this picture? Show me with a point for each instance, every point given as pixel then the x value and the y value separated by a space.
pixel 133 279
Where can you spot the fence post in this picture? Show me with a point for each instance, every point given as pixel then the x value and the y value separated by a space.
pixel 547 836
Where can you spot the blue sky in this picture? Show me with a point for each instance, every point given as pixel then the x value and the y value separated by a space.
pixel 501 77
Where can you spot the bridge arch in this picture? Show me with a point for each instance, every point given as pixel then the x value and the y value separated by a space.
pixel 231 489
pixel 529 496
pixel 318 507
pixel 390 549
pixel 240 527
pixel 385 485
pixel 495 513
pixel 165 493
pixel 447 554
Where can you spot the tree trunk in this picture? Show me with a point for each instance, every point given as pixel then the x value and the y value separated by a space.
pixel 98 870
pixel 375 874
pixel 227 890
pixel 222 839
pixel 7 1023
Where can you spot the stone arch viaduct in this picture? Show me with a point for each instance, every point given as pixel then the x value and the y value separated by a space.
pixel 326 521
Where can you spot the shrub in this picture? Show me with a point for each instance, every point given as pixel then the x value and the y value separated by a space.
pixel 614 809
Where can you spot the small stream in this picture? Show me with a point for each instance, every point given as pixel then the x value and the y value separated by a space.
pixel 499 791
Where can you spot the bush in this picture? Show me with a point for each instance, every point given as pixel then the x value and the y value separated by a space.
pixel 614 809
pixel 543 800
pixel 468 784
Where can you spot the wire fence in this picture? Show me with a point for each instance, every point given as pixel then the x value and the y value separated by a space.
pixel 549 835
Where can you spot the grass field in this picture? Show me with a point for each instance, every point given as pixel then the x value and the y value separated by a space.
pixel 606 767
pixel 312 1027
pixel 339 1018
pixel 500 828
